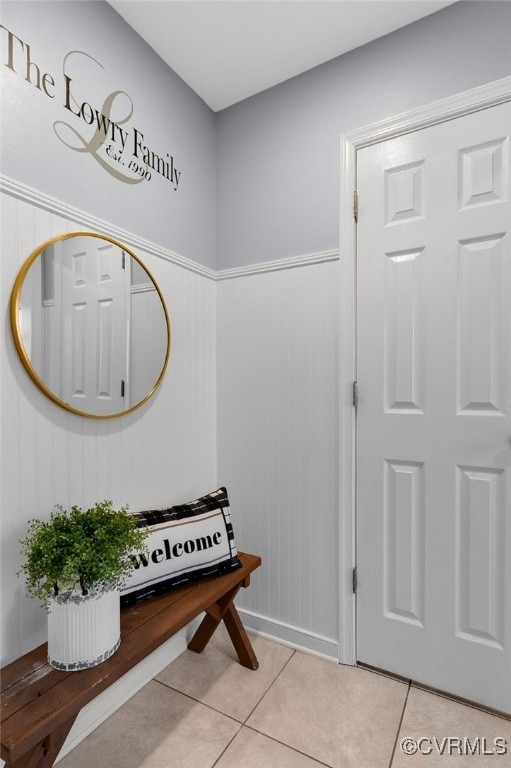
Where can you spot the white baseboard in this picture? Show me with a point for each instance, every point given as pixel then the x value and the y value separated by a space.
pixel 116 695
pixel 292 637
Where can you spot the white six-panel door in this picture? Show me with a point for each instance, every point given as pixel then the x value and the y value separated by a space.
pixel 94 285
pixel 434 416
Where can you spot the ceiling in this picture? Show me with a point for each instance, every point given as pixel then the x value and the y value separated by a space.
pixel 228 50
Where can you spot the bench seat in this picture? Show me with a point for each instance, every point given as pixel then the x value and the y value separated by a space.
pixel 39 704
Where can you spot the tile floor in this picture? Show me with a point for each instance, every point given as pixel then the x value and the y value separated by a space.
pixel 296 711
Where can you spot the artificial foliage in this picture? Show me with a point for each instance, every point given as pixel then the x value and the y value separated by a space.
pixel 80 552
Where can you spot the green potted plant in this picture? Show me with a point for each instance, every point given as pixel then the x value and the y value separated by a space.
pixel 75 564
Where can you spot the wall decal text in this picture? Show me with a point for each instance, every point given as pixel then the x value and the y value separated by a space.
pixel 116 145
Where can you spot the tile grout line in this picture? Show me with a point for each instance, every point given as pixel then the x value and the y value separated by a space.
pixel 241 724
pixel 400 723
pixel 197 701
pixel 218 711
pixel 479 707
pixel 283 744
pixel 266 691
pixel 222 753
pixel 238 723
pixel 462 702
pixel 272 738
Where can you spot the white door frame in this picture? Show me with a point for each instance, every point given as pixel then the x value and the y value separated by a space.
pixel 485 96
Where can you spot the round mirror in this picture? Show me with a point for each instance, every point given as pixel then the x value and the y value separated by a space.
pixel 90 325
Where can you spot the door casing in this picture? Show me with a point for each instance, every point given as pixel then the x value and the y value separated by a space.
pixel 485 96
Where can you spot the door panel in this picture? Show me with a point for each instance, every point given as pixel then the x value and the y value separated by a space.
pixel 434 416
pixel 94 308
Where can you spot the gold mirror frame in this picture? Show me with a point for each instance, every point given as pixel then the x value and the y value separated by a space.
pixel 18 336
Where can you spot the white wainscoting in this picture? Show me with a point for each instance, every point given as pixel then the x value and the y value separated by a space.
pixel 278 452
pixel 274 428
pixel 163 453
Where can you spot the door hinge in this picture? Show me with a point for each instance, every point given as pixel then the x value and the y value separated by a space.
pixel 355 205
pixel 123 260
pixel 354 580
pixel 355 394
pixel 122 387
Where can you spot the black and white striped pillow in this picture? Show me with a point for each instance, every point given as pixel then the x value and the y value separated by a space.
pixel 186 542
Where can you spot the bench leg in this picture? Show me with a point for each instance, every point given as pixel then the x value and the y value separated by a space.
pixel 224 609
pixel 31 759
pixel 239 638
pixel 213 617
pixel 44 754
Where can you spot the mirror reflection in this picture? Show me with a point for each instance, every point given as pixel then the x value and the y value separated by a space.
pixel 90 325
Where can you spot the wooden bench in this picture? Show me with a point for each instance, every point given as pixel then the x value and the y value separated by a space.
pixel 40 704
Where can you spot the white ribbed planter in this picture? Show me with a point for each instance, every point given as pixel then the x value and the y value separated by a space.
pixel 84 631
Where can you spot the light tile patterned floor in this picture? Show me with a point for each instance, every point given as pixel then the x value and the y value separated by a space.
pixel 296 711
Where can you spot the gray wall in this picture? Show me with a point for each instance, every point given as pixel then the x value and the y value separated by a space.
pixel 171 116
pixel 278 152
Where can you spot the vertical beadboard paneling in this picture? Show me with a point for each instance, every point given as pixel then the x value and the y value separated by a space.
pixel 276 433
pixel 163 453
pixel 9 431
pixel 278 438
